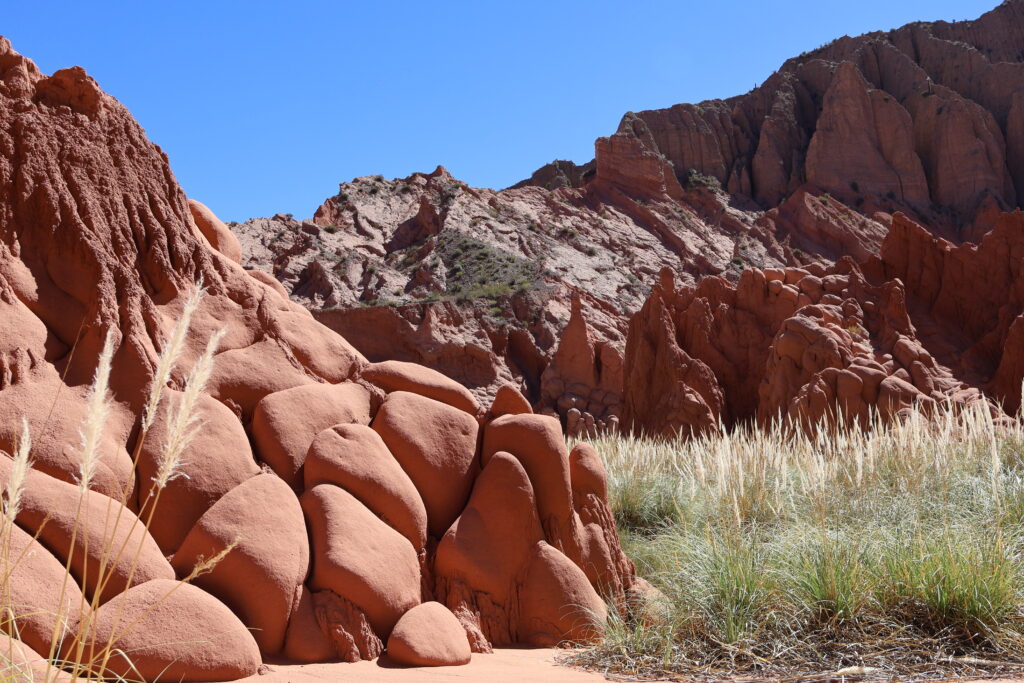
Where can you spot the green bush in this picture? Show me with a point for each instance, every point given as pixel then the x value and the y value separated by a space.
pixel 478 270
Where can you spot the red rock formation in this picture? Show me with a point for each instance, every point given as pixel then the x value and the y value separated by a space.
pixel 966 301
pixel 218 460
pixel 864 134
pixel 478 284
pixel 355 458
pixel 446 644
pixel 216 234
pixel 924 112
pixel 668 392
pixel 179 631
pixel 262 576
pixel 52 510
pixel 398 376
pixel 583 380
pixel 23 663
pixel 626 162
pixel 360 558
pixel 32 572
pixel 436 445
pixel 283 436
pixel 97 237
pixel 818 224
pixel 508 401
pixel 781 343
pixel 496 551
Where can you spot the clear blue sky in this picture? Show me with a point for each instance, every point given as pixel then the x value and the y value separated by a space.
pixel 266 106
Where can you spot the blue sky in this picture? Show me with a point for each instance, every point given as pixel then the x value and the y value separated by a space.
pixel 266 106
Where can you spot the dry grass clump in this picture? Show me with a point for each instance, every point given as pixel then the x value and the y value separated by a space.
pixel 78 654
pixel 889 551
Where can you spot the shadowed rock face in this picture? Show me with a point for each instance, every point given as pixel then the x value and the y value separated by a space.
pixel 925 321
pixel 966 301
pixel 809 167
pixel 329 554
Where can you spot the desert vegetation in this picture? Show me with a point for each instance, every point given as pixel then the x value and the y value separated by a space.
pixel 891 550
pixel 479 270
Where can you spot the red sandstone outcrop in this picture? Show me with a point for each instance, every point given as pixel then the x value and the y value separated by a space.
pixel 31 572
pixel 921 114
pixel 966 301
pixel 329 484
pixel 583 382
pixel 178 632
pixel 446 645
pixel 216 234
pixel 262 576
pixel 925 321
pixel 863 134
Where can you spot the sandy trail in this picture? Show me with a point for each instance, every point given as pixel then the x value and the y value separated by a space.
pixel 505 664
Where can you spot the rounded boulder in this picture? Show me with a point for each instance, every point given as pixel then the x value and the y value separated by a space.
pixel 33 586
pixel 537 441
pixel 216 233
pixel 354 457
pixel 177 632
pixel 436 446
pixel 22 664
pixel 429 635
pixel 360 558
pixel 217 460
pixel 509 401
pixel 259 578
pixel 285 423
pixel 58 512
pixel 395 375
pixel 556 601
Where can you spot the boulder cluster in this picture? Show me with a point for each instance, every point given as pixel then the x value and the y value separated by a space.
pixel 355 507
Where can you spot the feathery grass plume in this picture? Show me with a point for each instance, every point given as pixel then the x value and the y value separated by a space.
pixel 97 411
pixel 204 565
pixel 184 419
pixel 169 356
pixel 16 483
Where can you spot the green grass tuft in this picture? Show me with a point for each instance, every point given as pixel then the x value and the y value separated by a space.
pixel 895 550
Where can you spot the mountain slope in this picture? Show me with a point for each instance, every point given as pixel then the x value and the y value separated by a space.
pixel 926 120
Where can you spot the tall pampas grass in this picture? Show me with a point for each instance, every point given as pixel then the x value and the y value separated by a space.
pixel 97 412
pixel 169 357
pixel 16 484
pixel 91 432
pixel 166 364
pixel 185 417
pixel 891 546
pixel 184 420
pixel 11 506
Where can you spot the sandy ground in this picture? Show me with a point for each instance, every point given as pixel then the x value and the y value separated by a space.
pixel 505 664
